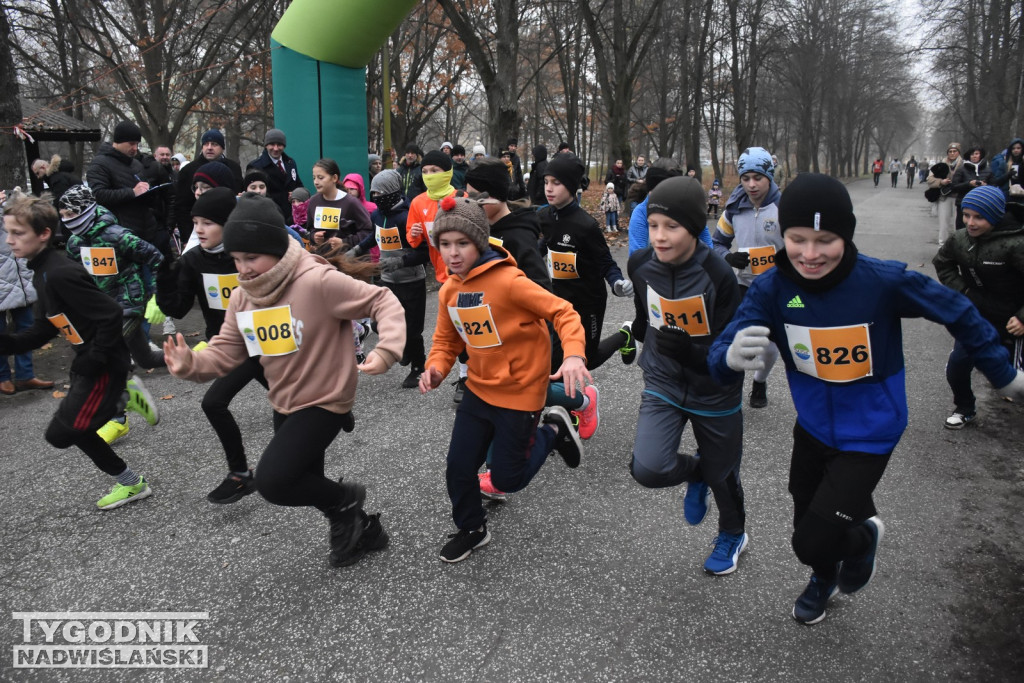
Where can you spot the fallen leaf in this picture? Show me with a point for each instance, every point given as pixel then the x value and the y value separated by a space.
pixel 168 397
pixel 46 347
pixel 59 394
pixel 192 334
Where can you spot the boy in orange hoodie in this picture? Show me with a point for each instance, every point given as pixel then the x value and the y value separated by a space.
pixel 489 308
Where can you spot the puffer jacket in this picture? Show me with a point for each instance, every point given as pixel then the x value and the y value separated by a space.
pixel 16 288
pixel 113 177
pixel 134 278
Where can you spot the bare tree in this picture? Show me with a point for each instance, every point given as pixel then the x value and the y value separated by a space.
pixel 12 164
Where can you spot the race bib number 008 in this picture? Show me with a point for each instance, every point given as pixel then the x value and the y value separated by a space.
pixel 218 289
pixel 689 314
pixel 475 325
pixel 99 261
pixel 832 354
pixel 762 259
pixel 562 265
pixel 268 331
pixel 327 218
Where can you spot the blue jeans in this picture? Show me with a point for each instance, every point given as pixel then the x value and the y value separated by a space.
pixel 958 375
pixel 22 319
pixel 611 219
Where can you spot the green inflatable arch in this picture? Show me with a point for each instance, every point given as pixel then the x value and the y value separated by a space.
pixel 320 49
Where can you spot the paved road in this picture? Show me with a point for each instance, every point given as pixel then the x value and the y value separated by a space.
pixel 589 576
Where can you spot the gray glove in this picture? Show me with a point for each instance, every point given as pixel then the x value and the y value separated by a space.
pixel 622 288
pixel 353 252
pixel 390 265
pixel 1015 389
pixel 747 349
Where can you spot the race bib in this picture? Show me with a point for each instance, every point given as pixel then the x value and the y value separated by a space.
pixel 388 239
pixel 496 241
pixel 762 259
pixel 327 218
pixel 268 331
pixel 688 314
pixel 218 289
pixel 562 265
pixel 475 325
pixel 67 330
pixel 99 261
pixel 833 354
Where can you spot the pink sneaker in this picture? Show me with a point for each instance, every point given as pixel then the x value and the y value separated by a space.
pixel 487 489
pixel 589 417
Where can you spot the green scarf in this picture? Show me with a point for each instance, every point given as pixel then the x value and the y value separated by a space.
pixel 439 185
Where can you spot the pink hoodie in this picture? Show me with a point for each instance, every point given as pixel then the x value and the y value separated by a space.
pixel 356 180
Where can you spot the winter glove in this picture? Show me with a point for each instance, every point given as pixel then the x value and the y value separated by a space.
pixel 354 252
pixel 390 265
pixel 622 288
pixel 738 259
pixel 747 349
pixel 677 344
pixel 1015 389
pixel 154 316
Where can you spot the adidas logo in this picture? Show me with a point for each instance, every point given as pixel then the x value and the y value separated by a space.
pixel 795 302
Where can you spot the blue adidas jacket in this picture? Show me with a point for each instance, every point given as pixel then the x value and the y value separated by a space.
pixel 868 414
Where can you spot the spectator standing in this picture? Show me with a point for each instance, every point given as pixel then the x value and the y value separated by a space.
pixel 280 169
pixel 212 150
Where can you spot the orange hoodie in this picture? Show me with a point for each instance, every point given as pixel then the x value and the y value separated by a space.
pixel 497 314
pixel 422 210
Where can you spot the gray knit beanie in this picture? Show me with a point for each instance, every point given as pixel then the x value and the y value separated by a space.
pixel 461 214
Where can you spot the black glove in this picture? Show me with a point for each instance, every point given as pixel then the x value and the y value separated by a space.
pixel 677 344
pixel 738 259
pixel 87 365
pixel 348 422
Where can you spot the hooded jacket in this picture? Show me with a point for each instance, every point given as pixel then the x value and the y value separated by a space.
pixel 196 276
pixel 322 305
pixel 535 187
pixel 988 269
pixel 16 290
pixel 507 313
pixel 572 231
pixel 279 183
pixel 128 282
pixel 61 177
pixel 1004 170
pixel 750 226
pixel 519 234
pixel 112 177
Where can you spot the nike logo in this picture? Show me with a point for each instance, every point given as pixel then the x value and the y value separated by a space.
pixel 795 302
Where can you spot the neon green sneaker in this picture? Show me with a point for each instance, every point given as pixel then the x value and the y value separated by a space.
pixel 112 431
pixel 200 346
pixel 628 350
pixel 121 494
pixel 141 401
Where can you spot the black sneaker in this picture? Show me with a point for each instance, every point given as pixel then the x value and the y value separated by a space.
pixel 567 442
pixel 233 488
pixel 855 573
pixel 759 395
pixel 413 379
pixel 464 543
pixel 810 606
pixel 373 538
pixel 628 350
pixel 345 519
pixel 460 389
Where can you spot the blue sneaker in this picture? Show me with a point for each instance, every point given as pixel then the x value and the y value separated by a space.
pixel 724 558
pixel 695 502
pixel 855 573
pixel 810 606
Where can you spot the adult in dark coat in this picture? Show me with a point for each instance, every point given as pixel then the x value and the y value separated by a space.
pixel 281 171
pixel 213 150
pixel 535 188
pixel 116 179
pixel 163 190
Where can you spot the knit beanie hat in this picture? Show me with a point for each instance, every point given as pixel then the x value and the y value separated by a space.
pixel 437 158
pixel 256 226
pixel 77 199
pixel 126 131
pixel 300 194
pixel 988 201
pixel 682 199
pixel 213 135
pixel 446 144
pixel 818 201
pixel 567 169
pixel 755 160
pixel 370 158
pixel 478 148
pixel 253 176
pixel 458 151
pixel 215 174
pixel 413 148
pixel 609 186
pixel 461 214
pixel 663 169
pixel 215 205
pixel 490 176
pixel 275 135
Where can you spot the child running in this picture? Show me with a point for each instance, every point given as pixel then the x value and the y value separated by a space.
pixel 835 315
pixel 489 308
pixel 685 297
pixel 292 309
pixel 72 305
pixel 209 275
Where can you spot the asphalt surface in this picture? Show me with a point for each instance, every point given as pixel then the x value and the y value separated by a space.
pixel 588 577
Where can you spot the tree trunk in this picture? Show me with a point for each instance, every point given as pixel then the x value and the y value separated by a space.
pixel 12 152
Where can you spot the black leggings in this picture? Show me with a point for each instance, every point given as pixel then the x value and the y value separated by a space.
pixel 291 469
pixel 413 297
pixel 597 350
pixel 216 404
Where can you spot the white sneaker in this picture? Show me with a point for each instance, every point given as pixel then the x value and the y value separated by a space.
pixel 959 420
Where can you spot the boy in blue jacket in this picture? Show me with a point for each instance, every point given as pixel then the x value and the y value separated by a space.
pixel 843 351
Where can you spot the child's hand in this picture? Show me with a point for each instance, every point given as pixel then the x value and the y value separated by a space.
pixel 416 230
pixel 318 237
pixel 572 371
pixel 374 365
pixel 1015 327
pixel 430 379
pixel 335 242
pixel 177 355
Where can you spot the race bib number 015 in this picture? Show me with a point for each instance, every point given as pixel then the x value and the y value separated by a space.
pixel 833 354
pixel 562 265
pixel 762 259
pixel 218 289
pixel 475 325
pixel 268 331
pixel 327 218
pixel 689 314
pixel 67 330
pixel 99 261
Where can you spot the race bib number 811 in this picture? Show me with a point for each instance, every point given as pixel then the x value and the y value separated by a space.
pixel 268 331
pixel 833 354
pixel 688 314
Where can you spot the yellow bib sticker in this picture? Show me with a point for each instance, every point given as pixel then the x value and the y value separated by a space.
pixel 67 330
pixel 833 354
pixel 762 259
pixel 268 331
pixel 99 261
pixel 496 241
pixel 388 239
pixel 688 314
pixel 218 289
pixel 475 325
pixel 327 218
pixel 562 265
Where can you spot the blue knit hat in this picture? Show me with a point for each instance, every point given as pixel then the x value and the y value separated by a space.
pixel 755 160
pixel 987 201
pixel 213 135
